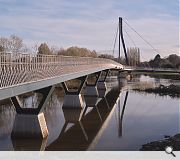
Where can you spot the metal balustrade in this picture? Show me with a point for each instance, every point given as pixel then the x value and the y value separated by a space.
pixel 24 68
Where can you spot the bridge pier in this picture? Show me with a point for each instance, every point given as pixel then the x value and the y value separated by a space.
pixel 91 88
pixel 74 99
pixel 101 85
pixel 94 92
pixel 74 116
pixel 29 144
pixel 30 122
pixel 91 101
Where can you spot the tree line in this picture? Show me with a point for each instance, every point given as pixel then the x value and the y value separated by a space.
pixel 14 44
pixel 172 61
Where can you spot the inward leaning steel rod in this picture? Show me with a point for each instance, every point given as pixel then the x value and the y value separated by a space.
pixel 21 68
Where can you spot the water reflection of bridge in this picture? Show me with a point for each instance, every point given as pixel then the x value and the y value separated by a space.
pixel 89 124
pixel 84 134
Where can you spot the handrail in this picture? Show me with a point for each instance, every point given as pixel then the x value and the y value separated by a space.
pixel 22 68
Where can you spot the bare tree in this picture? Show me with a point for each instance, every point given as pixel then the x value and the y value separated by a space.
pixel 4 43
pixel 133 56
pixel 62 51
pixel 34 48
pixel 54 49
pixel 13 44
pixel 1 49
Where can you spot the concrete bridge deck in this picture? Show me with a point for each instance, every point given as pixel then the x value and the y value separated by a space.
pixel 24 73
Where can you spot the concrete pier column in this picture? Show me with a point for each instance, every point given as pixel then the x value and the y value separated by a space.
pixel 29 144
pixel 30 122
pixel 91 85
pixel 102 92
pixel 91 90
pixel 28 126
pixel 73 116
pixel 91 101
pixel 101 85
pixel 74 99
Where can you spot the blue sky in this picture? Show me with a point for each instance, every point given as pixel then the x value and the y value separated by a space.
pixel 92 23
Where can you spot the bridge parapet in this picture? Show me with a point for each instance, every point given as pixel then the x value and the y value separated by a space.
pixel 24 68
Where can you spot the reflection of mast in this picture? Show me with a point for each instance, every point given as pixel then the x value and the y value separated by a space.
pixel 122 114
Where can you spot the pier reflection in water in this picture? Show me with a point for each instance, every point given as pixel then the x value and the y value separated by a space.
pixel 85 133
pixel 115 120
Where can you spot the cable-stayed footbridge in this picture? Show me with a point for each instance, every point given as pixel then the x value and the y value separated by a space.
pixel 23 73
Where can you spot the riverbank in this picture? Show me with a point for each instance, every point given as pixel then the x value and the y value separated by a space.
pixel 160 145
pixel 171 90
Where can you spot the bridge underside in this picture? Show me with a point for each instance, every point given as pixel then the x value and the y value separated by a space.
pixel 43 80
pixel 30 122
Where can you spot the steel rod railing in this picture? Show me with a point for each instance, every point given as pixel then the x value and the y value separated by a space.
pixel 21 68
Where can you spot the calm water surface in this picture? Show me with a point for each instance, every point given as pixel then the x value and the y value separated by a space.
pixel 123 120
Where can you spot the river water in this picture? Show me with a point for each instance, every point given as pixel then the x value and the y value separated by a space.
pixel 123 120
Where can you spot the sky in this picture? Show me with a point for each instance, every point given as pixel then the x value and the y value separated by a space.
pixel 93 23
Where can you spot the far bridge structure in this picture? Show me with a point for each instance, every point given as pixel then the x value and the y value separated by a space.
pixel 23 73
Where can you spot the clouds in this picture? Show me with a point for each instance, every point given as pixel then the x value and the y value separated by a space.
pixel 90 23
